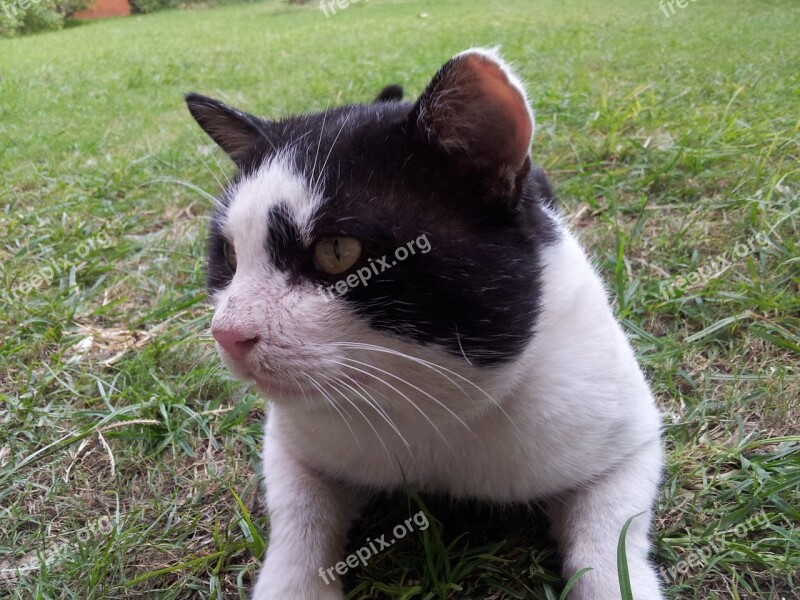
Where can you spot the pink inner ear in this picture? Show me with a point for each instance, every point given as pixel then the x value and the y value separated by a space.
pixel 474 110
pixel 505 109
pixel 500 112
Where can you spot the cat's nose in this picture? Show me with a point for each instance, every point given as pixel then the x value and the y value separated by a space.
pixel 235 342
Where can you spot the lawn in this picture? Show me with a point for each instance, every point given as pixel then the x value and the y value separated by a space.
pixel 128 458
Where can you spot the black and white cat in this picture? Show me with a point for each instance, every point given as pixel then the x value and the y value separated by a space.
pixel 394 277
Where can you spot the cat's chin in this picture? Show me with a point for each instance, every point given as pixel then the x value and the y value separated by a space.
pixel 275 389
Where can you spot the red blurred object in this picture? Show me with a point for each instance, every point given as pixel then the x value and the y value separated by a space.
pixel 105 8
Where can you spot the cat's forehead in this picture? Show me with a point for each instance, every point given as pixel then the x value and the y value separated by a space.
pixel 324 163
pixel 256 201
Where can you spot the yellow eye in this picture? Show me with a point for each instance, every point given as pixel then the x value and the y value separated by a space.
pixel 336 255
pixel 230 255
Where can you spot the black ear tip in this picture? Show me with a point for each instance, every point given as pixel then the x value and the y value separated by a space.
pixel 390 93
pixel 193 99
pixel 194 102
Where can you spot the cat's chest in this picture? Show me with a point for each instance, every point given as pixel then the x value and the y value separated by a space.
pixel 495 458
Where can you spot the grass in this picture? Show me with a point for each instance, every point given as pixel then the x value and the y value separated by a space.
pixel 127 459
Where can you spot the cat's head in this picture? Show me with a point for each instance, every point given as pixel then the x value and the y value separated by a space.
pixel 380 245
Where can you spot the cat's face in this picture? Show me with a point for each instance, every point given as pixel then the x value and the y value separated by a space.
pixel 380 245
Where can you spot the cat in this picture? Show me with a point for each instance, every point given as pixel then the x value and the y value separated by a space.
pixel 489 366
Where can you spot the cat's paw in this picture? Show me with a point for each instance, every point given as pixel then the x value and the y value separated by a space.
pixel 644 584
pixel 296 593
pixel 277 588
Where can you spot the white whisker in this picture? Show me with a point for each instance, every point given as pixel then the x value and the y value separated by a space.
pixel 374 405
pixel 404 396
pixel 315 182
pixel 336 139
pixel 439 369
pixel 332 402
pixel 366 419
pixel 419 389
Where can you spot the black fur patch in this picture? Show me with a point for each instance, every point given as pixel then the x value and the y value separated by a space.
pixel 283 237
pixel 218 273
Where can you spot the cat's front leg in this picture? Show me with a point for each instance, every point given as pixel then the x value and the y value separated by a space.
pixel 587 524
pixel 309 519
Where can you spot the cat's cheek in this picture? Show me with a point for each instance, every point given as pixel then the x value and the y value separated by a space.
pixel 216 295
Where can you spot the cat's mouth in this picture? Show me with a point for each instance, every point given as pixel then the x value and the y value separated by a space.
pixel 307 385
pixel 281 387
pixel 272 384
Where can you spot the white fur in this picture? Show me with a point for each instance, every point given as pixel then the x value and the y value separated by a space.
pixel 571 420
pixel 274 183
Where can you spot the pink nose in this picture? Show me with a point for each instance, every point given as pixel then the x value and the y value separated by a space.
pixel 234 342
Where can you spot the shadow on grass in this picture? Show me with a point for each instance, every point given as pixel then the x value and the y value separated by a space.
pixel 470 550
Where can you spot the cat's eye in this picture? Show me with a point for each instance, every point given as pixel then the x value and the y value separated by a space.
pixel 229 253
pixel 337 254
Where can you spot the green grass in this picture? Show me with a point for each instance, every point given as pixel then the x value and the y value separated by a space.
pixel 123 448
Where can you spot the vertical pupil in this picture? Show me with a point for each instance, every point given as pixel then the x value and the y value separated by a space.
pixel 336 249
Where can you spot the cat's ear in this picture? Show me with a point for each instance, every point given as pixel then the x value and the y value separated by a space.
pixel 475 109
pixel 390 93
pixel 237 133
